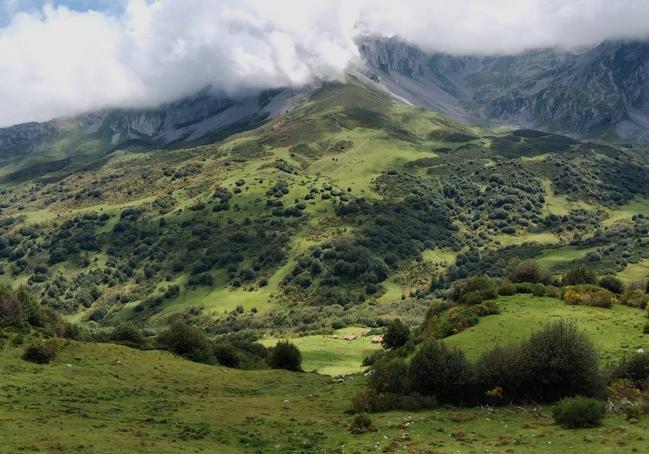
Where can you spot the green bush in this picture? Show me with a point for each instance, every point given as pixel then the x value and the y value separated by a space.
pixel 187 341
pixel 396 335
pixel 612 284
pixel 560 361
pixel 579 412
pixel 227 355
pixel 634 368
pixel 389 375
pixel 371 402
pixel 362 423
pixel 579 275
pixel 436 370
pixel 128 334
pixel 635 298
pixel 528 271
pixel 285 355
pixel 499 374
pixel 40 352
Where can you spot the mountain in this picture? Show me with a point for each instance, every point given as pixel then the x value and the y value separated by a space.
pixel 202 117
pixel 599 92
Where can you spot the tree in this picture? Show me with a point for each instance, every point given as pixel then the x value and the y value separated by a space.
pixel 187 341
pixel 579 275
pixel 560 361
pixel 389 375
pixel 612 284
pixel 436 370
pixel 285 355
pixel 396 335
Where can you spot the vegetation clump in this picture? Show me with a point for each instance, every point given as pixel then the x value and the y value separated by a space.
pixel 579 412
pixel 285 355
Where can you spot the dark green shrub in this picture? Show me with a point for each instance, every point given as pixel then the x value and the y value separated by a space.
pixel 579 275
pixel 227 355
pixel 436 370
pixel 128 334
pixel 528 271
pixel 560 361
pixel 285 355
pixel 507 290
pixel 371 402
pixel 373 357
pixel 634 368
pixel 186 341
pixel 612 284
pixel 40 352
pixel 396 335
pixel 579 412
pixel 500 376
pixel 389 375
pixel 362 423
pixel 635 298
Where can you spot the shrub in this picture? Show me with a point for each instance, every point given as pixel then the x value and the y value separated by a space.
pixel 528 271
pixel 396 335
pixel 362 423
pixel 588 295
pixel 635 298
pixel 560 361
pixel 227 355
pixel 486 308
pixel 187 341
pixel 579 412
pixel 127 333
pixel 634 368
pixel 579 275
pixel 612 284
pixel 500 369
pixel 389 375
pixel 436 370
pixel 285 355
pixel 40 352
pixel 371 402
pixel 373 357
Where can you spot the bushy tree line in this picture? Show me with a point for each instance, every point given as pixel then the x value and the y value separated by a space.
pixel 558 361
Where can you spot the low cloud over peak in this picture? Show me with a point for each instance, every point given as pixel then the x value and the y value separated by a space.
pixel 57 61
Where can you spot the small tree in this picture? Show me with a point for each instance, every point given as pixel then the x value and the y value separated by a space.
pixel 579 412
pixel 187 341
pixel 40 352
pixel 285 355
pixel 579 275
pixel 561 361
pixel 127 333
pixel 389 375
pixel 528 271
pixel 396 335
pixel 227 355
pixel 436 370
pixel 612 284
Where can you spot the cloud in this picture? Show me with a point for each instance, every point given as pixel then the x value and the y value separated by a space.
pixel 56 61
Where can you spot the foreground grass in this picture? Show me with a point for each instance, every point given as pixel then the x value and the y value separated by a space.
pixel 111 399
pixel 615 332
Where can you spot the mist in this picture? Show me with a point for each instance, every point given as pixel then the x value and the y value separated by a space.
pixel 56 61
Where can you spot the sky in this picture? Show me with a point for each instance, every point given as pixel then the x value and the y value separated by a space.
pixel 64 57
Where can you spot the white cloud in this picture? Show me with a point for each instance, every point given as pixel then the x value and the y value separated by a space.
pixel 54 61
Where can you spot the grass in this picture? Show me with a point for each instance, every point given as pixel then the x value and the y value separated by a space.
pixel 556 257
pixel 107 399
pixel 635 271
pixel 329 355
pixel 615 332
pixel 627 211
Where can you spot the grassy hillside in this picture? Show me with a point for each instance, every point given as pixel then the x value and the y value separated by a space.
pixel 98 398
pixel 616 332
pixel 337 214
